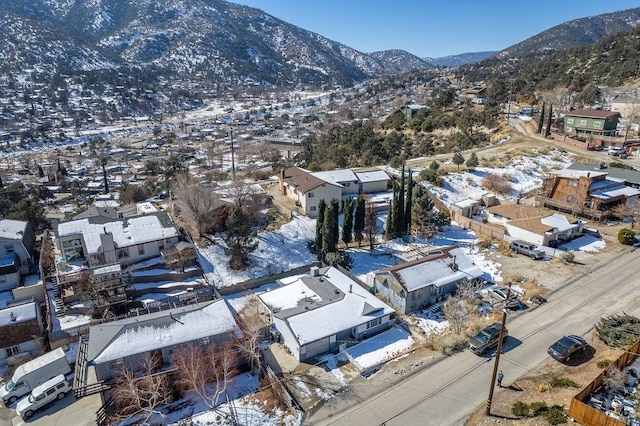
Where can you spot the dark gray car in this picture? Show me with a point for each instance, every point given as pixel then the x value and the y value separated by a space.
pixel 486 338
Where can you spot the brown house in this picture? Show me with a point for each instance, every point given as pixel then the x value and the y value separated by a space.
pixel 21 328
pixel 584 193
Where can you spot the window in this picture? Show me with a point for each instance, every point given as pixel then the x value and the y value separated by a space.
pixel 13 350
pixel 50 391
pixel 311 195
pixel 374 323
pixel 203 341
pixel 123 252
pixel 597 123
pixel 116 363
pixel 569 120
pixel 348 184
pixel 582 123
pixel 573 183
pixel 9 249
pixel 313 208
pixel 140 249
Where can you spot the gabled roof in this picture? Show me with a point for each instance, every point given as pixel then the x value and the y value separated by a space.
pixel 302 180
pixel 315 307
pixel 12 229
pixel 442 266
pixel 591 113
pixel 119 339
pixel 518 211
pixel 108 213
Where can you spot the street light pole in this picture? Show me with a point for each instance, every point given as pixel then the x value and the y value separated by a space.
pixel 499 351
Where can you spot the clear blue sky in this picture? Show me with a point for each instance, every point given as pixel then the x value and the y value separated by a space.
pixel 432 28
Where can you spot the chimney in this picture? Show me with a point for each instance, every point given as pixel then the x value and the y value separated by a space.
pixel 315 271
pixel 12 317
pixel 350 288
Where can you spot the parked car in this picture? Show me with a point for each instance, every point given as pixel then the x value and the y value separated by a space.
pixel 487 338
pixel 42 395
pixel 566 347
pixel 500 294
pixel 528 249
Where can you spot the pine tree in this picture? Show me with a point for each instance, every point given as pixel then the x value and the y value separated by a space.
pixel 1 183
pixel 408 203
pixel 400 223
pixel 541 119
pixel 458 160
pixel 547 131
pixel 322 205
pixel 358 223
pixel 104 176
pixel 473 161
pixel 40 171
pixel 239 238
pixel 347 221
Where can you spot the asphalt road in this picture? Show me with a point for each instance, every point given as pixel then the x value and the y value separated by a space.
pixel 450 390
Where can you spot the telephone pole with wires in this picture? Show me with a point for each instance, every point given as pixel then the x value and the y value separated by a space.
pixel 498 351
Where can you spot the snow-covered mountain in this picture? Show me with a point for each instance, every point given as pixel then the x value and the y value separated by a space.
pixel 226 41
pixel 460 59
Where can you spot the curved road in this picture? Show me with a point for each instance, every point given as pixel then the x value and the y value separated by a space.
pixel 450 390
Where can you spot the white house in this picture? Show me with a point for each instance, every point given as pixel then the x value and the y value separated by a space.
pixel 372 181
pixel 345 178
pixel 17 239
pixel 307 190
pixel 545 230
pixel 321 311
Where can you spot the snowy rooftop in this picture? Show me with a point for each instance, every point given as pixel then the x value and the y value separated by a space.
pixel 345 305
pixel 12 229
pixel 558 221
pixel 17 314
pixel 119 339
pixel 438 271
pixel 373 176
pixel 134 231
pixel 627 191
pixel 337 176
pixel 570 173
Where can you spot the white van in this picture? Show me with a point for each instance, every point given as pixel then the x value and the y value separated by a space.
pixel 42 395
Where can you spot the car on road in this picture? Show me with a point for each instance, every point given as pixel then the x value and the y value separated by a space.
pixel 566 347
pixel 487 338
pixel 527 249
pixel 500 294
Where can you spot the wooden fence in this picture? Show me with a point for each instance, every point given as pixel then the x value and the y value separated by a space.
pixel 589 416
pixel 485 229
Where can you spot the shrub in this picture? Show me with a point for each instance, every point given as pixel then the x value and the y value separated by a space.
pixel 520 409
pixel 495 183
pixel 604 363
pixel 626 236
pixel 538 408
pixel 556 415
pixel 562 382
pixel 568 257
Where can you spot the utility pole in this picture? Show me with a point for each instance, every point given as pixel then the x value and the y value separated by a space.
pixel 233 161
pixel 499 351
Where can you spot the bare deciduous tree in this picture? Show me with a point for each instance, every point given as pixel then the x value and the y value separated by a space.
pixel 456 312
pixel 142 393
pixel 630 210
pixel 197 200
pixel 205 370
pixel 371 228
pixel 251 327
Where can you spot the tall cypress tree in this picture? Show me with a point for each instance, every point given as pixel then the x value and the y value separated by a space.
pixel 548 130
pixel 408 203
pixel 400 223
pixel 347 221
pixel 322 205
pixel 358 223
pixel 541 119
pixel 390 226
pixel 330 228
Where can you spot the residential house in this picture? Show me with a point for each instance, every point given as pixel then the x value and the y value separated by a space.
pixel 415 285
pixel 345 178
pixel 411 110
pixel 125 343
pixel 307 190
pixel 17 239
pixel 549 230
pixel 371 181
pixel 631 177
pixel 475 92
pixel 590 123
pixel 21 330
pixel 584 193
pixel 321 311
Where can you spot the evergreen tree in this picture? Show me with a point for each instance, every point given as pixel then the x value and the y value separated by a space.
pixel 400 223
pixel 40 171
pixel 390 226
pixel 473 161
pixel 347 221
pixel 104 176
pixel 322 205
pixel 422 209
pixel 358 223
pixel 541 119
pixel 239 238
pixel 547 131
pixel 1 183
pixel 458 160
pixel 434 165
pixel 330 228
pixel 408 204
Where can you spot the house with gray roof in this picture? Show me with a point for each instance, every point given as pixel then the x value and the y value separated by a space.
pixel 17 241
pixel 21 330
pixel 319 312
pixel 631 177
pixel 415 285
pixel 115 345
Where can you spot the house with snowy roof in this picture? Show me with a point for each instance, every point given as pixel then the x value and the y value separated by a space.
pixel 586 193
pixel 115 345
pixel 21 329
pixel 321 311
pixel 421 283
pixel 17 241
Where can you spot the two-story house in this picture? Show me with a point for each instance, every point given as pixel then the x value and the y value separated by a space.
pixel 590 123
pixel 17 241
pixel 307 190
pixel 21 330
